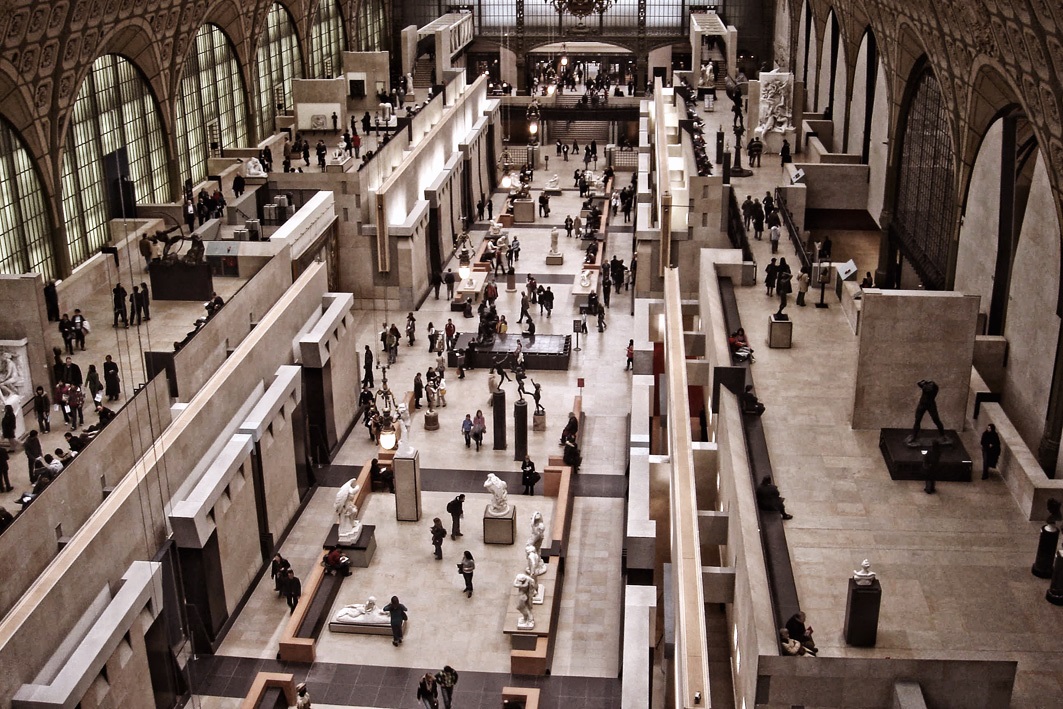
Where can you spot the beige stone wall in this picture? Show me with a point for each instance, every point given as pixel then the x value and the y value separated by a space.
pixel 976 251
pixel 278 474
pixel 906 336
pixel 347 375
pixel 236 521
pixel 127 683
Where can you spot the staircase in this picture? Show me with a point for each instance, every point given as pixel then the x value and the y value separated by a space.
pixel 719 62
pixel 582 131
pixel 422 72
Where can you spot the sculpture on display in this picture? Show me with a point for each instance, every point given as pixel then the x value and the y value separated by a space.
pixel 534 563
pixel 254 168
pixel 864 575
pixel 499 506
pixel 536 394
pixel 554 183
pixel 347 513
pixel 538 533
pixel 927 405
pixel 14 365
pixel 707 77
pixel 405 446
pixel 553 240
pixel 362 613
pixel 776 90
pixel 526 590
pixel 585 278
pixel 495 230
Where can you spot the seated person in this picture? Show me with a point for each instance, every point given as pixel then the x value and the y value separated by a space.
pixel 593 304
pixel 738 339
pixel 530 332
pixel 336 563
pixel 572 455
pixel 65 458
pixel 467 310
pixel 52 465
pixel 44 479
pixel 76 443
pixel 750 403
pixel 791 646
pixel 384 476
pixel 769 500
pixel 800 632
pixel 868 281
pixel 6 519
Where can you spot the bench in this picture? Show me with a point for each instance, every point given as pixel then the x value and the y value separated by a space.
pixel 270 690
pixel 772 533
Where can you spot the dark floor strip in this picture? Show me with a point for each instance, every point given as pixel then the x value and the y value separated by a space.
pixel 451 480
pixel 373 686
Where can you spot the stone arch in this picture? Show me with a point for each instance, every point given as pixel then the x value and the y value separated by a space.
pixel 832 76
pixel 867 133
pixel 807 51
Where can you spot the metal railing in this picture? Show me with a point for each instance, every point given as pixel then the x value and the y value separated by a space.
pixel 736 228
pixel 791 229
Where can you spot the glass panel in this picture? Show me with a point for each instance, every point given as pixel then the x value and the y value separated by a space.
pixel 25 240
pixel 278 61
pixel 327 41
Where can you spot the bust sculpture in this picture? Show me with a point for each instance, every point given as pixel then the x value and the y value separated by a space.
pixel 347 513
pixel 499 506
pixel 864 575
pixel 254 168
pixel 526 589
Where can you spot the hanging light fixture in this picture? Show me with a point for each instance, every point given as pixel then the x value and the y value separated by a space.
pixel 580 9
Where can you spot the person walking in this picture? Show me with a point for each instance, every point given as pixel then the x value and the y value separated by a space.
pixel 398 617
pixel 770 272
pixel 119 295
pixel 293 589
pixel 80 326
pixel 5 486
pixel 528 476
pixel 428 691
pixel 111 381
pixel 455 508
pixel 630 356
pixel 7 425
pixel 278 571
pixel 466 567
pixel 32 448
pixel 774 235
pixel 466 430
pixel 43 406
pixel 367 367
pixel 758 220
pixel 145 301
pixel 479 425
pixel 803 280
pixel 94 385
pixel 447 679
pixel 418 390
pixel 525 303
pixel 990 449
pixel 439 533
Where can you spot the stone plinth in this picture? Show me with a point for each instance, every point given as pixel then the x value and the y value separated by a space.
pixel 361 551
pixel 407 469
pixel 523 211
pixel 780 332
pixel 861 613
pixel 431 421
pixel 500 530
pixel 555 259
pixel 539 422
pixel 773 140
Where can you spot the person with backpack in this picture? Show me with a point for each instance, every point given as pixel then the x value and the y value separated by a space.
pixel 455 508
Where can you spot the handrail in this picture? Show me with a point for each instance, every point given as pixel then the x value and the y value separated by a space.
pixel 736 229
pixel 791 228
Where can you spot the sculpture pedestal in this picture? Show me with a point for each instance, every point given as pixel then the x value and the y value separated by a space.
pixel 780 332
pixel 861 613
pixel 1054 594
pixel 500 530
pixel 1046 551
pixel 539 422
pixel 181 281
pixel 407 469
pixel 523 211
pixel 431 421
pixel 773 140
pixel 520 429
pixel 361 551
pixel 557 259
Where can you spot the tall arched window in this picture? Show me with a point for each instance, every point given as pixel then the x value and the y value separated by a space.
pixel 115 137
pixel 278 62
pixel 926 199
pixel 210 107
pixel 24 232
pixel 371 26
pixel 327 41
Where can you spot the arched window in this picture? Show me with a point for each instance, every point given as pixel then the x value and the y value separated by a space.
pixel 115 138
pixel 925 214
pixel 327 41
pixel 210 107
pixel 24 232
pixel 371 26
pixel 278 62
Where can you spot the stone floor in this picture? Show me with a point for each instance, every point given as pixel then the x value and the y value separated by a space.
pixel 445 627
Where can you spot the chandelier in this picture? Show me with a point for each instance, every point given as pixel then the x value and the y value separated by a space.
pixel 580 8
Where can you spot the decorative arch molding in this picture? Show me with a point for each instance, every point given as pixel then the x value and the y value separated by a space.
pixel 19 113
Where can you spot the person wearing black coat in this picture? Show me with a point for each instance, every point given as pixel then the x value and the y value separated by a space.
pixel 528 476
pixel 5 469
pixel 990 449
pixel 293 589
pixel 278 571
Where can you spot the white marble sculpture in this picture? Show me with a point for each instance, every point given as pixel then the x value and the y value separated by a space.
pixel 776 92
pixel 585 278
pixel 496 229
pixel 553 240
pixel 15 387
pixel 534 565
pixel 864 575
pixel 527 587
pixel 362 613
pixel 499 506
pixel 254 168
pixel 347 513
pixel 538 532
pixel 554 183
pixel 707 78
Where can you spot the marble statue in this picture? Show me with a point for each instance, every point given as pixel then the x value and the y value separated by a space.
pixel 254 168
pixel 496 229
pixel 707 78
pixel 776 89
pixel 527 588
pixel 13 386
pixel 405 447
pixel 499 506
pixel 864 575
pixel 553 240
pixel 585 278
pixel 347 513
pixel 554 183
pixel 538 532
pixel 362 613
pixel 535 565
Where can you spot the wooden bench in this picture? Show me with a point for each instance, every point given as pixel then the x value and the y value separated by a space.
pixel 271 690
pixel 525 697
